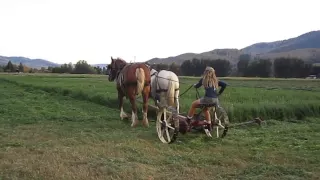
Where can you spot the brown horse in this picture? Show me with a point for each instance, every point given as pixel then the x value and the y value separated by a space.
pixel 131 79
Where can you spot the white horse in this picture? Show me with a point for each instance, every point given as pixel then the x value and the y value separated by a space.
pixel 165 88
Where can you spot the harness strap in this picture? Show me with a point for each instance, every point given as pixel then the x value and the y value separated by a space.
pixel 120 79
pixel 153 74
pixel 158 85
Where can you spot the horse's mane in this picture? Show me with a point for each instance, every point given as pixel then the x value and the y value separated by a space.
pixel 121 60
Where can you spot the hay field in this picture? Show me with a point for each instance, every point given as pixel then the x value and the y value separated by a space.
pixel 68 127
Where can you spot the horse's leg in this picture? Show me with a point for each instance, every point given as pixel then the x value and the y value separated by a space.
pixel 120 99
pixel 153 91
pixel 176 98
pixel 134 116
pixel 145 95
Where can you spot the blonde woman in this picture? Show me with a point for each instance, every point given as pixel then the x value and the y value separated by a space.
pixel 211 84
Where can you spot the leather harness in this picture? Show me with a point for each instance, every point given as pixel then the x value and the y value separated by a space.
pixel 122 83
pixel 158 85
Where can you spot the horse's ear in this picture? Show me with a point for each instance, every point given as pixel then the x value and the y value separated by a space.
pixel 111 59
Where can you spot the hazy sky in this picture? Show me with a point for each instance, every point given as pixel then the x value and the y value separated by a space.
pixel 69 30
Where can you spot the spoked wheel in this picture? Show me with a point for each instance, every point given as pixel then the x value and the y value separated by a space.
pixel 218 124
pixel 167 126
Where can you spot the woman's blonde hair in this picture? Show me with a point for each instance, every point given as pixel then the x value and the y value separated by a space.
pixel 209 78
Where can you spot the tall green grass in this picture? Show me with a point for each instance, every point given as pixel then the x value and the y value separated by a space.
pixel 241 103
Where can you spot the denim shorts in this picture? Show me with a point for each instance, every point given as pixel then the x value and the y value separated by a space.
pixel 209 100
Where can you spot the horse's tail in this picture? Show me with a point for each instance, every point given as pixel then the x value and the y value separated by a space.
pixel 170 91
pixel 140 79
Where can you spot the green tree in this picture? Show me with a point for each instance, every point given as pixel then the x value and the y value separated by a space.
pixel 245 57
pixel 162 67
pixel 64 68
pixel 198 66
pixel 104 70
pixel 31 70
pixel 174 68
pixel 82 67
pixel 242 66
pixel 49 68
pixel 259 68
pixel 21 67
pixel 221 66
pixel 291 68
pixel 70 67
pixel 9 67
pixel 186 68
pixel 98 69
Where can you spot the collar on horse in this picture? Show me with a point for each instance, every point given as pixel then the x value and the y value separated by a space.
pixel 154 73
pixel 158 87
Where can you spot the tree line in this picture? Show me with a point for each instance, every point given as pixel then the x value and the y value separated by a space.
pixel 280 67
pixel 10 67
pixel 81 67
pixel 284 67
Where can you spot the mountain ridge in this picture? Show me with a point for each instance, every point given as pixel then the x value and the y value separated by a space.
pixel 34 63
pixel 305 46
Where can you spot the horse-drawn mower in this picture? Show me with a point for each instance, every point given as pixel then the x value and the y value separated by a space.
pixel 169 123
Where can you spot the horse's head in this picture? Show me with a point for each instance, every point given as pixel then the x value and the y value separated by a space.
pixel 114 67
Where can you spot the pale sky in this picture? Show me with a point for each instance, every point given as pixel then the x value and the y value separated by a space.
pixel 65 31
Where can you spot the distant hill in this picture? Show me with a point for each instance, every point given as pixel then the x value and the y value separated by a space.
pixel 3 61
pixel 305 46
pixel 304 41
pixel 228 54
pixel 311 54
pixel 32 63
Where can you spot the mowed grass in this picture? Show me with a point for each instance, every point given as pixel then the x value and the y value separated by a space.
pixel 51 133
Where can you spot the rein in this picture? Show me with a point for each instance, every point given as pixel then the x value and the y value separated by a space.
pixel 186 91
pixel 197 94
pixel 156 74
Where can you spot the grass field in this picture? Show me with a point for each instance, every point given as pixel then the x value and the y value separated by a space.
pixel 68 127
pixel 242 99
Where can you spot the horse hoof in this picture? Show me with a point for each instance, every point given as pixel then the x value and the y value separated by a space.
pixel 145 123
pixel 134 124
pixel 122 116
